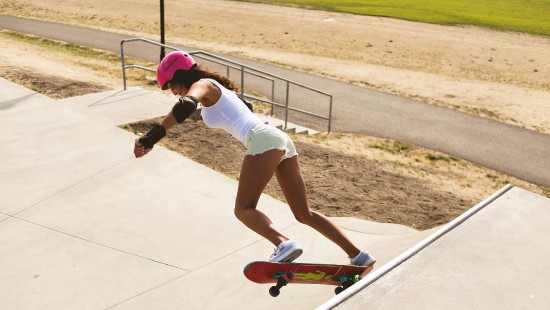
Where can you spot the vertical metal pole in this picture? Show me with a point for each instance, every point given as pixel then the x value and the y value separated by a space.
pixel 286 103
pixel 123 65
pixel 272 95
pixel 330 115
pixel 162 49
pixel 242 81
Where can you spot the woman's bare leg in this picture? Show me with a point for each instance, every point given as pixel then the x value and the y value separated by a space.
pixel 289 176
pixel 256 172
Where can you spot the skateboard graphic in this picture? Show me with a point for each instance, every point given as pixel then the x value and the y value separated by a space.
pixel 343 276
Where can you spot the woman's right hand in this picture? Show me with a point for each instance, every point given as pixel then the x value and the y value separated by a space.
pixel 140 150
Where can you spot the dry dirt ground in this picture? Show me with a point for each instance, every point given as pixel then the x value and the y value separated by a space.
pixel 505 76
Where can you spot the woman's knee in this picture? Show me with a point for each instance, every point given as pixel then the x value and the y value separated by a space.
pixel 240 211
pixel 306 217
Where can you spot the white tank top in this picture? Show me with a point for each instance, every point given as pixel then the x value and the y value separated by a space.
pixel 230 114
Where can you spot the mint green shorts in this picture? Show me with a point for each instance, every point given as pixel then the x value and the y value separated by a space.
pixel 263 137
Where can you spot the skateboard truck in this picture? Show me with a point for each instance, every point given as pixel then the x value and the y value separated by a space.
pixel 346 281
pixel 282 279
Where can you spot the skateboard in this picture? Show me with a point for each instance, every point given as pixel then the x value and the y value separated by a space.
pixel 343 276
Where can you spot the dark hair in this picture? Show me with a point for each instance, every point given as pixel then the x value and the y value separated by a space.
pixel 188 77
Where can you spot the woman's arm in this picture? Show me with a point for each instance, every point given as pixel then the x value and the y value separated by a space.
pixel 206 93
pixel 168 121
pixel 186 106
pixel 145 144
pixel 199 92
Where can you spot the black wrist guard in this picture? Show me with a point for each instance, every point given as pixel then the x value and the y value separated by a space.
pixel 186 106
pixel 153 136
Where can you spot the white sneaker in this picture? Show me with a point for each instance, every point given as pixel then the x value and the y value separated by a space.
pixel 363 259
pixel 286 252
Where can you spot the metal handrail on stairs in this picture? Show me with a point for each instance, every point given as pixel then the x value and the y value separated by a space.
pixel 244 71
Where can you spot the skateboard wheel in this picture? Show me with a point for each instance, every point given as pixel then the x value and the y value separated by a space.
pixel 274 291
pixel 338 290
pixel 357 278
pixel 289 276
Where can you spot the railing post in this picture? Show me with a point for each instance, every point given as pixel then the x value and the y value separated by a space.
pixel 286 103
pixel 123 65
pixel 242 81
pixel 330 115
pixel 272 95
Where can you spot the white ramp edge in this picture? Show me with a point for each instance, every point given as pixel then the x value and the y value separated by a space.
pixel 378 273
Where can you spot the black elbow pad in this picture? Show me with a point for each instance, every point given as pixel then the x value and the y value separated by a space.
pixel 186 106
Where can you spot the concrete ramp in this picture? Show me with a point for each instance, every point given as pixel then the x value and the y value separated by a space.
pixel 496 257
pixel 84 225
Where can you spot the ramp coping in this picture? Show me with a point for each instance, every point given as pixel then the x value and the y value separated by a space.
pixel 378 273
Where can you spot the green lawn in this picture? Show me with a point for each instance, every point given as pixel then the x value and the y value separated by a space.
pixel 514 15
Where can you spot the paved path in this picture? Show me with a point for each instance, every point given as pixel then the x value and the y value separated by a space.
pixel 519 152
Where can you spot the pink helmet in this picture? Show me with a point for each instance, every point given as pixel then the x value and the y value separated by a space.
pixel 174 61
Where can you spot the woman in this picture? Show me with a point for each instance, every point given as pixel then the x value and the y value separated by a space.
pixel 269 151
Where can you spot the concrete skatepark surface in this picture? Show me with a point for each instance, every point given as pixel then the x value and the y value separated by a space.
pixel 85 225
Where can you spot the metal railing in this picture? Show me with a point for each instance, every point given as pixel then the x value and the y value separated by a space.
pixel 245 70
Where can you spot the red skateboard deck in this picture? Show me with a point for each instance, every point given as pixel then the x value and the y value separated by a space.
pixel 342 276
